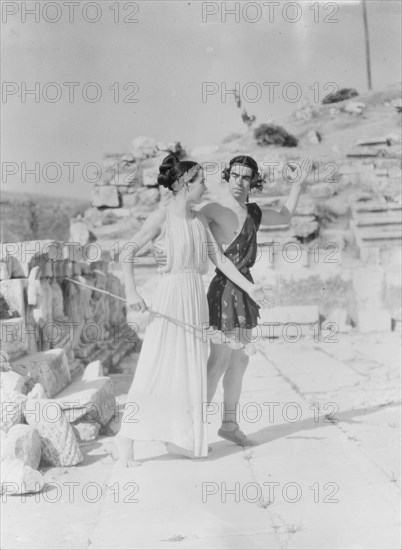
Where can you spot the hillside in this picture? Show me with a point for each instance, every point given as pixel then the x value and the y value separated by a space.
pixel 339 132
pixel 30 216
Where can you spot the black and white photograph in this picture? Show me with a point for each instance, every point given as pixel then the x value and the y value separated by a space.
pixel 201 274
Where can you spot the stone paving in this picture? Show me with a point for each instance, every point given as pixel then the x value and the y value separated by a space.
pixel 325 473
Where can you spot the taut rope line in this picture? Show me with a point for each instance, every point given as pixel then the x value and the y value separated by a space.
pixel 248 348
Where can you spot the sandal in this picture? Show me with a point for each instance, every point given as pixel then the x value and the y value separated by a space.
pixel 236 436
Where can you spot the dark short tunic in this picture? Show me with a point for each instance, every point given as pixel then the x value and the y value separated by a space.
pixel 229 305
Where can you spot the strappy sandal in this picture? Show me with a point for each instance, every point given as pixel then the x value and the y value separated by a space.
pixel 236 436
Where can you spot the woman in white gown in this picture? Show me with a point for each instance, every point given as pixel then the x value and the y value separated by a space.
pixel 166 399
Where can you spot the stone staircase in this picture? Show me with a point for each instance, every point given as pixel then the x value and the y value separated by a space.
pixel 377 224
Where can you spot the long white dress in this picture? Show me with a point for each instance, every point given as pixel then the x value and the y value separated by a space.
pixel 166 399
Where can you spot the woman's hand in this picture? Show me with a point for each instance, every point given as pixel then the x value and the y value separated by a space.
pixel 136 302
pixel 259 294
pixel 160 257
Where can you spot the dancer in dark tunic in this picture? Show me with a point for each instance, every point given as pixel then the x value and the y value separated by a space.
pixel 230 310
pixel 229 306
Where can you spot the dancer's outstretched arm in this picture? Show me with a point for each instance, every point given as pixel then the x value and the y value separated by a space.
pixel 273 217
pixel 148 231
pixel 256 292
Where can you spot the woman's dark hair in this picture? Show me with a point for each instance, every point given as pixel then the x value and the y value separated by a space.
pixel 172 169
pixel 244 160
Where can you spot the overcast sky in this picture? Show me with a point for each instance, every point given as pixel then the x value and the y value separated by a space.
pixel 169 53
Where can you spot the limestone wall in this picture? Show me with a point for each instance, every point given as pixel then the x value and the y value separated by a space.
pixel 42 308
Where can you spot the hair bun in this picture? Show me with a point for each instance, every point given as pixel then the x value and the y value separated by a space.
pixel 165 176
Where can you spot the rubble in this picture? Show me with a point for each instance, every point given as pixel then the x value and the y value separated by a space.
pixel 12 407
pixel 105 195
pixel 86 431
pixel 144 147
pixel 88 399
pixel 354 108
pixel 313 137
pixel 92 371
pixel 49 368
pixel 340 95
pixel 59 445
pixel 22 442
pixel 18 479
pixel 11 381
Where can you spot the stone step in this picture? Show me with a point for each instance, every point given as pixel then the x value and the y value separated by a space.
pixel 92 399
pixel 378 218
pixel 14 341
pixel 375 207
pixel 288 322
pixel 49 368
pixel 384 233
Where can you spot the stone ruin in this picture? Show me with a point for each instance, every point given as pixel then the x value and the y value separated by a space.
pixel 339 260
pixel 60 339
pixel 337 264
pixel 58 342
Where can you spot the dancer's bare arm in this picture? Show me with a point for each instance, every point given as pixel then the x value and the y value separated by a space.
pixel 256 292
pixel 148 231
pixel 212 211
pixel 283 217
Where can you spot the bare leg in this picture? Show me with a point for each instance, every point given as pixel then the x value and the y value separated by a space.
pixel 125 446
pixel 232 385
pixel 218 362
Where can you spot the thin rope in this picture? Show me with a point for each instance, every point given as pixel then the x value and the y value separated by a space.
pixel 248 348
pixel 126 301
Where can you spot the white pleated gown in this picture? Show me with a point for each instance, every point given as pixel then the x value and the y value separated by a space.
pixel 165 401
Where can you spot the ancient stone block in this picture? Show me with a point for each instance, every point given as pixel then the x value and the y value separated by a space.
pixel 105 195
pixel 124 189
pixel 28 254
pixel 86 431
pixel 57 302
pixel 92 371
pixel 49 368
pixel 144 147
pixel 90 399
pixel 129 201
pixel 23 442
pixel 62 269
pixel 18 479
pixel 11 381
pixel 12 406
pixel 130 175
pixel 374 320
pixel 41 301
pixel 322 190
pixel 59 445
pixel 73 251
pixel 368 285
pixel 37 392
pixel 150 176
pixel 13 338
pixel 5 269
pixel 85 349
